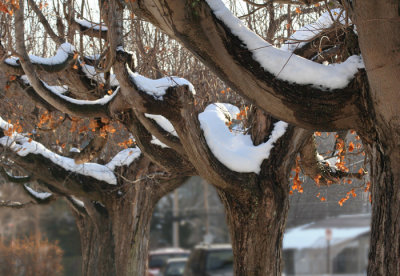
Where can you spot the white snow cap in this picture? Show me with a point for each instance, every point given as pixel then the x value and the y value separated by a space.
pixel 163 123
pixel 90 25
pixel 40 195
pixel 158 88
pixel 284 64
pixel 124 158
pixel 234 149
pixel 61 56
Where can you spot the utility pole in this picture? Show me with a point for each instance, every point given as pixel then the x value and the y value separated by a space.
pixel 206 208
pixel 175 223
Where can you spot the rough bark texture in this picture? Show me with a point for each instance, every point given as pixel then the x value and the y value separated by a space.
pixel 384 252
pixel 257 215
pixel 115 238
pixel 379 37
pixel 256 226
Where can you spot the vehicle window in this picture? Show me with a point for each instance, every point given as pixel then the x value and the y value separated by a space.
pixel 159 260
pixel 175 268
pixel 219 260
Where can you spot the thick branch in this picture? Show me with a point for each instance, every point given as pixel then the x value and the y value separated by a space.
pixel 212 41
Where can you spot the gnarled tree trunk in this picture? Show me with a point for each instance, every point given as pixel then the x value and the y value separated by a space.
pixel 256 225
pixel 115 233
pixel 384 255
pixel 115 236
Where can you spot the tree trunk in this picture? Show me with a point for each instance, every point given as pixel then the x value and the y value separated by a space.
pixel 257 224
pixel 115 236
pixel 384 255
pixel 379 37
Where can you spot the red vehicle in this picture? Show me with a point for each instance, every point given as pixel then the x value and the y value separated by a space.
pixel 159 257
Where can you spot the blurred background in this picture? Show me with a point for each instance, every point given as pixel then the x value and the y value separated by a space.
pixel 322 237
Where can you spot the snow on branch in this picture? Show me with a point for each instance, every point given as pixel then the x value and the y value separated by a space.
pixel 37 195
pixel 124 158
pixel 158 88
pixel 283 64
pixel 163 123
pixel 90 72
pixel 23 146
pixel 232 147
pixel 64 53
pixel 70 105
pixel 90 25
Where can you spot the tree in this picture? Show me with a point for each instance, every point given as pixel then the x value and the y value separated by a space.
pixel 318 98
pixel 364 102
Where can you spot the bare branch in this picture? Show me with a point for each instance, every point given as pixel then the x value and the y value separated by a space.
pixel 320 171
pixel 15 204
pixel 45 23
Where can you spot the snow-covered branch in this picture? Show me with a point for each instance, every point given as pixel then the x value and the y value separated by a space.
pixel 90 29
pixel 289 87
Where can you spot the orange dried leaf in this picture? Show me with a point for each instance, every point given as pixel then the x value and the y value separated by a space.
pixel 351 147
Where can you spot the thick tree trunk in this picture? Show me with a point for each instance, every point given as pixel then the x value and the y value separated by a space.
pixel 115 235
pixel 384 256
pixel 257 224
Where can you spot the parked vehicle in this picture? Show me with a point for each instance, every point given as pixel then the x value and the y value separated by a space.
pixel 174 267
pixel 159 257
pixel 210 260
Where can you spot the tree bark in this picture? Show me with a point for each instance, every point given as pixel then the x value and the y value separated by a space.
pixel 256 226
pixel 114 237
pixel 384 254
pixel 379 36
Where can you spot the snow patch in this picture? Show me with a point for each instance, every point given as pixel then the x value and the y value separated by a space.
pixel 61 56
pixel 90 25
pixel 163 123
pixel 158 88
pixel 157 142
pixel 124 158
pixel 234 149
pixel 40 195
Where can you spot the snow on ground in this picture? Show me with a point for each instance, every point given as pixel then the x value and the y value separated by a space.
pixel 305 33
pixel 61 56
pixel 234 149
pixel 284 64
pixel 24 146
pixel 40 195
pixel 163 123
